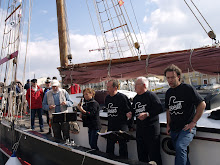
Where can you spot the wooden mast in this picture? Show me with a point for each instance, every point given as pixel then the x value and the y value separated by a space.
pixel 62 31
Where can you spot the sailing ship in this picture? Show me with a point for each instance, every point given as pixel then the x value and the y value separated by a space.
pixel 36 148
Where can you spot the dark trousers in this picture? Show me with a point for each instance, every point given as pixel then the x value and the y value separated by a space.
pixel 93 138
pixel 39 113
pixel 123 149
pixel 148 143
pixel 61 127
pixel 47 115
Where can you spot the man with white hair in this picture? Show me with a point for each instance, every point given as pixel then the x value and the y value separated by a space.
pixel 57 100
pixel 146 107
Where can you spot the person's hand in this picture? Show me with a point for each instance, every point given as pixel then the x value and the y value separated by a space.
pixel 52 106
pixel 142 116
pixel 63 103
pixel 189 126
pixel 129 115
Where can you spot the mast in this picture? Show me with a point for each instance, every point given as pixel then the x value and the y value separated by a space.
pixel 62 32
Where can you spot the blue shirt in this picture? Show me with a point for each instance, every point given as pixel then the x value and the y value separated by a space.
pixel 56 97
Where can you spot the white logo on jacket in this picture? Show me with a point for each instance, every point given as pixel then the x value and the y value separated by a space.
pixel 112 111
pixel 139 108
pixel 175 106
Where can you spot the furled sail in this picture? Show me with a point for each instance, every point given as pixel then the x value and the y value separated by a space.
pixel 205 60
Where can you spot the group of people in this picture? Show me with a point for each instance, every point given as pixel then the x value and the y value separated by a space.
pixel 184 107
pixel 51 99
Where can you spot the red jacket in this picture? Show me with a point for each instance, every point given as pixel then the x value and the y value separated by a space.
pixel 36 98
pixel 75 88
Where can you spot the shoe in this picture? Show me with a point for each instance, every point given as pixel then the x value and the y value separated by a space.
pixel 49 132
pixel 41 130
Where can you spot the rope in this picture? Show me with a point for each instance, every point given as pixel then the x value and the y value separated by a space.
pixel 15 146
pixel 190 59
pixel 94 28
pixel 109 69
pixel 85 155
pixel 137 26
pixel 147 62
pixel 201 14
pixel 189 78
pixel 111 23
pixel 125 30
pixel 101 26
pixel 197 17
pixel 27 42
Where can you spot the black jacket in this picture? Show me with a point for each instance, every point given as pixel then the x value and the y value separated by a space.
pixel 91 119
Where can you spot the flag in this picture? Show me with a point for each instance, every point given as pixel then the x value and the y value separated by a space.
pixel 120 2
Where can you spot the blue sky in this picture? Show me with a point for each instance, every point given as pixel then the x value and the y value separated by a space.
pixel 44 20
pixel 166 25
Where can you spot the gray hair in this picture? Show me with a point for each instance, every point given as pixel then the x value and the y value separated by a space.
pixel 144 80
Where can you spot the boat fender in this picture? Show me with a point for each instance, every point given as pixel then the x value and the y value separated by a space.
pixel 167 146
pixel 13 160
pixel 74 127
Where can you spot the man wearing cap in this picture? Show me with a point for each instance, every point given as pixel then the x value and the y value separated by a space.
pixel 46 89
pixel 34 97
pixel 57 100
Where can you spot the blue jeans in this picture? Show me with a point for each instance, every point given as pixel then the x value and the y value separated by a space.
pixel 181 141
pixel 93 138
pixel 39 113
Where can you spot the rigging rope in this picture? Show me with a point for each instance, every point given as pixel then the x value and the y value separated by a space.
pixel 190 59
pixel 100 25
pixel 27 42
pixel 121 17
pixel 201 14
pixel 15 146
pixel 11 43
pixel 137 26
pixel 94 28
pixel 212 36
pixel 111 23
pixel 147 62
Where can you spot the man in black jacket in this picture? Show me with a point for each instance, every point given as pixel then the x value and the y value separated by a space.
pixel 118 106
pixel 146 107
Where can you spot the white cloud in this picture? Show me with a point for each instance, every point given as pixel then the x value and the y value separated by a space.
pixel 43 11
pixel 53 19
pixel 174 27
pixel 145 19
